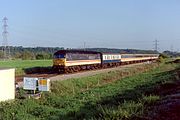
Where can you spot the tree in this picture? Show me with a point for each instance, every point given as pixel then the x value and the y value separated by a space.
pixel 1 54
pixel 26 55
pixel 17 55
pixel 40 56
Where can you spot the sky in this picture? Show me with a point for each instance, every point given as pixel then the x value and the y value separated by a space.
pixel 132 24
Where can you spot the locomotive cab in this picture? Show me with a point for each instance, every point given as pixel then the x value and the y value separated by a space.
pixel 59 60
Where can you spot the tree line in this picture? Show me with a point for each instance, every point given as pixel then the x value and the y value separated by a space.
pixel 32 53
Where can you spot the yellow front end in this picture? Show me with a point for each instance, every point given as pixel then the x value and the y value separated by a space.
pixel 59 62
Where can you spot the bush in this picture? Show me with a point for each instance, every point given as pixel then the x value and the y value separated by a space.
pixel 161 59
pixel 41 56
pixel 164 56
pixel 26 55
pixel 34 70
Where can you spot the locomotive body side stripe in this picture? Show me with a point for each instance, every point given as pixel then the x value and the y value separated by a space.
pixel 111 61
pixel 82 62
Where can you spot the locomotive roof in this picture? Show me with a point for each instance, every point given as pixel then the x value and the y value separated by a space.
pixel 108 53
pixel 138 54
pixel 76 51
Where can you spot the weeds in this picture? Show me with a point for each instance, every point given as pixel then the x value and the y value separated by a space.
pixel 126 94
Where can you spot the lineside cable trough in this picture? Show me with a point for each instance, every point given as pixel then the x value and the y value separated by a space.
pixel 34 86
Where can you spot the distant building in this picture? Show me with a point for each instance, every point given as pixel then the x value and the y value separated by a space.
pixel 7 84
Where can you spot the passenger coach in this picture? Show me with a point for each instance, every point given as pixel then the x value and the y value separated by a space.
pixel 110 59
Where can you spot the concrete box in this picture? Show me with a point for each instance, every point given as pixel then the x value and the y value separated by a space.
pixel 7 84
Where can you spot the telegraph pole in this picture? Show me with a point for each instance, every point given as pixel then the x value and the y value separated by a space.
pixel 5 46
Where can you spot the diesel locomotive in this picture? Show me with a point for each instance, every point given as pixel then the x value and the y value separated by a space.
pixel 69 61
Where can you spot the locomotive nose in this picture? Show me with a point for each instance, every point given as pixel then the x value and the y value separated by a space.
pixel 60 61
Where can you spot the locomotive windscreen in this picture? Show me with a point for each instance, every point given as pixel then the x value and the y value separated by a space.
pixel 59 56
pixel 81 56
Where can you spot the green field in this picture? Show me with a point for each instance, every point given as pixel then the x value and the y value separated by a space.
pixel 125 94
pixel 20 65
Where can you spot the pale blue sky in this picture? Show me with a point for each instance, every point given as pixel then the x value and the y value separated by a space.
pixel 99 23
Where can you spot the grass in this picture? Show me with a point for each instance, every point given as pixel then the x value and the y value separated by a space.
pixel 126 94
pixel 20 65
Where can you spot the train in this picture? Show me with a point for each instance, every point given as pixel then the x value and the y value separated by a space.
pixel 70 61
